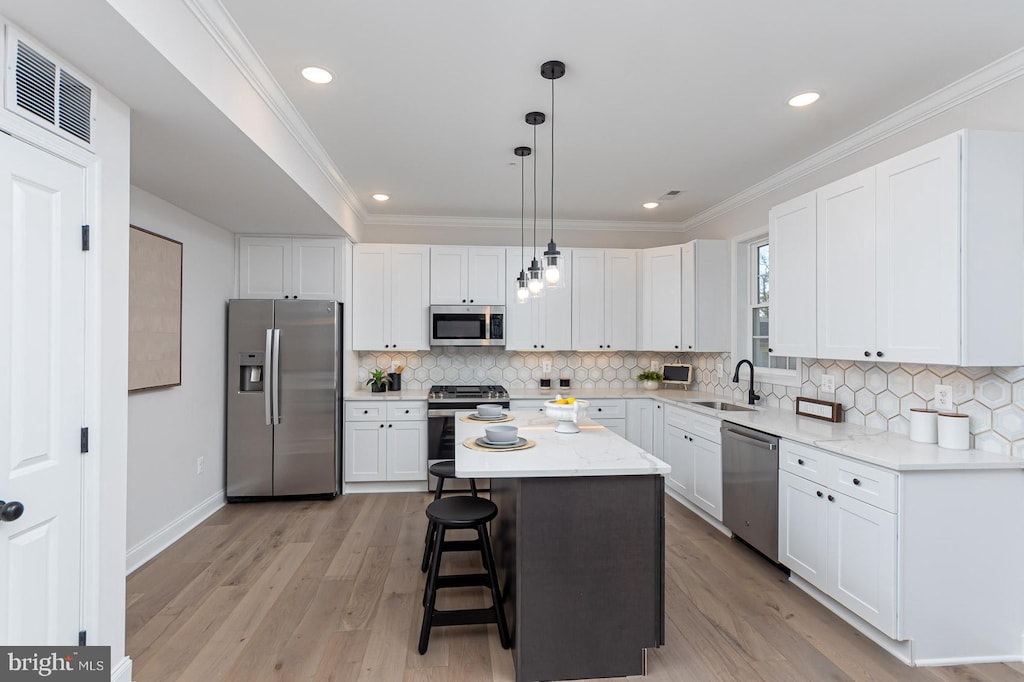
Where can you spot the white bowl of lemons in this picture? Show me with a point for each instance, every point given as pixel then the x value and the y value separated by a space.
pixel 568 412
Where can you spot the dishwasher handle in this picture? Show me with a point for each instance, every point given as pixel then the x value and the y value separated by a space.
pixel 747 439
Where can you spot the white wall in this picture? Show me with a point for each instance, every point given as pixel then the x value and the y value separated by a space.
pixel 169 428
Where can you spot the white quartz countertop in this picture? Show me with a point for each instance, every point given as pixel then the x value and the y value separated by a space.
pixel 594 451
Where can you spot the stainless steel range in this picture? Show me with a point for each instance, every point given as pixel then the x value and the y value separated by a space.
pixel 442 403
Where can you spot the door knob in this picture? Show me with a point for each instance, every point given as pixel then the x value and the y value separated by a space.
pixel 11 511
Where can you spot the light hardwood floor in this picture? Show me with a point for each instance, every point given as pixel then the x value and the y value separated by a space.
pixel 331 591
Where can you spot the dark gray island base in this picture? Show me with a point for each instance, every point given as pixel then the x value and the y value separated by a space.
pixel 582 567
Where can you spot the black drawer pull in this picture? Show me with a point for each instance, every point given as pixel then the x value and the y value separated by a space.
pixel 819 494
pixel 800 462
pixel 856 481
pixel 831 499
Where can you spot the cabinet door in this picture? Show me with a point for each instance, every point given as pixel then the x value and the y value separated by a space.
pixel 712 295
pixel 862 560
pixel 707 476
pixel 846 267
pixel 554 318
pixel 264 267
pixel 803 528
pixel 588 299
pixel 410 297
pixel 621 288
pixel 448 283
pixel 918 255
pixel 658 441
pixel 662 299
pixel 365 451
pixel 640 423
pixel 616 426
pixel 317 269
pixel 486 276
pixel 792 238
pixel 520 318
pixel 371 296
pixel 688 308
pixel 679 455
pixel 407 451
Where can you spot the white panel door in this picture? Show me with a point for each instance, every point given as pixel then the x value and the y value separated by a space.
pixel 317 269
pixel 588 299
pixel 621 288
pixel 265 267
pixel 448 285
pixel 803 528
pixel 365 451
pixel 486 276
pixel 662 299
pixel 42 345
pixel 410 297
pixel 792 238
pixel 707 475
pixel 918 255
pixel 407 451
pixel 846 268
pixel 371 296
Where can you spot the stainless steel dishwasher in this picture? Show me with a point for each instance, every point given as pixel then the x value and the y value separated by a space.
pixel 750 487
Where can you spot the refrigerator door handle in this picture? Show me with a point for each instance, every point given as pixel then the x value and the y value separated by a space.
pixel 276 383
pixel 267 382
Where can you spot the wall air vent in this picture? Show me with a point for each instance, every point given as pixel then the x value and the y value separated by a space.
pixel 41 89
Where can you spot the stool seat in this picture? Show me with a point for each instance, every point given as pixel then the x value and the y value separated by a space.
pixel 462 511
pixel 443 469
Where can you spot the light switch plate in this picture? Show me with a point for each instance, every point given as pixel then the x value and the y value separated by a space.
pixel 943 397
pixel 828 383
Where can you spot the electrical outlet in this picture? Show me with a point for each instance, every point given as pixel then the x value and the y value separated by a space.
pixel 828 383
pixel 545 366
pixel 720 369
pixel 943 397
pixel 199 465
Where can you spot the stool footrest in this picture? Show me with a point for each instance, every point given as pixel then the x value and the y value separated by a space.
pixel 463 580
pixel 461 546
pixel 463 617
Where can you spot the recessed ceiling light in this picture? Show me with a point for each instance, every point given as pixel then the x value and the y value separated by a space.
pixel 651 204
pixel 803 99
pixel 381 197
pixel 315 74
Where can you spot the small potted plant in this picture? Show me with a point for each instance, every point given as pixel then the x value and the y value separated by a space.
pixel 378 381
pixel 650 379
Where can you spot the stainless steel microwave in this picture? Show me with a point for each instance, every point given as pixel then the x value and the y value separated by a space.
pixel 467 325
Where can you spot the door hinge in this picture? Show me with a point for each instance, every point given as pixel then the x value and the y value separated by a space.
pixel 85 237
pixel 85 439
pixel 81 638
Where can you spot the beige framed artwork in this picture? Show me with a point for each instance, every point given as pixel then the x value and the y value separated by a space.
pixel 154 310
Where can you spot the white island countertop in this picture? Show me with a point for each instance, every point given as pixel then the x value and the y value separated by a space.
pixel 594 451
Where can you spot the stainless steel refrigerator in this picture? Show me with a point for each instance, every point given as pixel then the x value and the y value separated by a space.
pixel 283 405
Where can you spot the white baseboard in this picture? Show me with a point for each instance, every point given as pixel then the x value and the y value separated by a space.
pixel 386 487
pixel 172 532
pixel 122 672
pixel 707 518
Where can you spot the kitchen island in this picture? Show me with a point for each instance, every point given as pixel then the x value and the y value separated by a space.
pixel 580 545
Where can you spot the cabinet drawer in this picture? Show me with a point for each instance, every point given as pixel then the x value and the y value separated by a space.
pixel 365 411
pixel 407 411
pixel 708 428
pixel 864 482
pixel 803 460
pixel 527 405
pixel 607 409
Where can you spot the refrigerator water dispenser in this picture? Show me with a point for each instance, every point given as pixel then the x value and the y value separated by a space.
pixel 250 372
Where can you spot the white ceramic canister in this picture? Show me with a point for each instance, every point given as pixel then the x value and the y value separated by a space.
pixel 954 431
pixel 924 425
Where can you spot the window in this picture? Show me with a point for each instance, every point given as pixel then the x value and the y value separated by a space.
pixel 753 266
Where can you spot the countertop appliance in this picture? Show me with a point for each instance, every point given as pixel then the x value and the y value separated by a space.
pixel 467 325
pixel 442 403
pixel 283 405
pixel 750 487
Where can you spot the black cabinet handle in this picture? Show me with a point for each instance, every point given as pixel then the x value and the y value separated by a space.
pixel 366 412
pixel 831 499
pixel 471 300
pixel 771 350
pixel 879 353
pixel 856 481
pixel 867 354
pixel 542 345
pixel 463 300
pixel 599 409
pixel 800 462
pixel 407 411
pixel 676 346
pixel 819 494
pixel 690 347
pixel 382 426
pixel 389 426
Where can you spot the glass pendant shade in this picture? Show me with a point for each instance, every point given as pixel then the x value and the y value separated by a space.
pixel 536 283
pixel 523 290
pixel 552 267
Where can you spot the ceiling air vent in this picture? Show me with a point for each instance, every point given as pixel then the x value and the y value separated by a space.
pixel 42 90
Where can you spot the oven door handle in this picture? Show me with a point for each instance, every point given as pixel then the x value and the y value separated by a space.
pixel 440 413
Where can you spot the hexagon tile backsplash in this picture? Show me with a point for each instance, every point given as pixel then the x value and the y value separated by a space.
pixel 878 395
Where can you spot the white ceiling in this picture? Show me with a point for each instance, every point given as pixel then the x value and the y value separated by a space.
pixel 429 97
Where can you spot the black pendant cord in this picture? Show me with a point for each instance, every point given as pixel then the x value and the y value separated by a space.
pixel 522 216
pixel 551 117
pixel 534 195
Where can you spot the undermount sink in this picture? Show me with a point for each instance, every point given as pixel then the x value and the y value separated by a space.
pixel 718 405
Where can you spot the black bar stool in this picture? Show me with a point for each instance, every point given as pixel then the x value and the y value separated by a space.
pixel 444 470
pixel 462 512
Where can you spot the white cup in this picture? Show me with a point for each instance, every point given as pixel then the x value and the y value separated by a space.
pixel 924 425
pixel 954 431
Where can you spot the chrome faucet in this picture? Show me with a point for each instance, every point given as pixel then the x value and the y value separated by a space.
pixel 751 396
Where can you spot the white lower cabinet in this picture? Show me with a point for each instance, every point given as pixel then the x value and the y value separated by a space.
pixel 640 423
pixel 609 413
pixel 692 446
pixel 385 441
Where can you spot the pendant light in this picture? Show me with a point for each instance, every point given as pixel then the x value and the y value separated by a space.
pixel 536 273
pixel 552 70
pixel 522 290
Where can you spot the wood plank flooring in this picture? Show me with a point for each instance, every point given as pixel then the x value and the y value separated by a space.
pixel 332 591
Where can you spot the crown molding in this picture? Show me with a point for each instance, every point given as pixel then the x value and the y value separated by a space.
pixel 221 26
pixel 969 87
pixel 514 223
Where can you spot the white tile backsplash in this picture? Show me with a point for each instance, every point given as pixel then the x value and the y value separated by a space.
pixel 878 395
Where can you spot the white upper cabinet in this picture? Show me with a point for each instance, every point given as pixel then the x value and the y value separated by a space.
pixel 390 297
pixel 467 274
pixel 662 299
pixel 706 296
pixel 281 267
pixel 792 236
pixel 543 323
pixel 919 258
pixel 604 299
